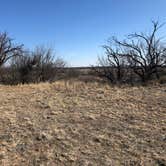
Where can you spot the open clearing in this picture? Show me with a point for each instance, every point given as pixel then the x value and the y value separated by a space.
pixel 74 123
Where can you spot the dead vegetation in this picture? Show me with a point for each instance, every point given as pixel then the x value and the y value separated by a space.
pixel 74 123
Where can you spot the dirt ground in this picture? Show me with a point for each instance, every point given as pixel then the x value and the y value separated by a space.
pixel 84 124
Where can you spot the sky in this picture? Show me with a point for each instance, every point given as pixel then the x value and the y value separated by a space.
pixel 77 29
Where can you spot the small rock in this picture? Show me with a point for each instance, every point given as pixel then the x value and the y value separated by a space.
pixel 97 140
pixel 43 136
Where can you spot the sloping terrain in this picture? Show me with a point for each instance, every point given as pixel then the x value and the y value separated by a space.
pixel 73 123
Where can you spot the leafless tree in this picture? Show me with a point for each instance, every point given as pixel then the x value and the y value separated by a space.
pixel 146 53
pixel 113 65
pixel 8 49
pixel 47 65
pixel 142 53
pixel 37 66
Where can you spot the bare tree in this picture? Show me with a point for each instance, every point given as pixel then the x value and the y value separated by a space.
pixel 114 65
pixel 47 65
pixel 146 53
pixel 8 49
pixel 37 66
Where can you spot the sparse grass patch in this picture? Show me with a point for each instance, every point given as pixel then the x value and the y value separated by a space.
pixel 78 123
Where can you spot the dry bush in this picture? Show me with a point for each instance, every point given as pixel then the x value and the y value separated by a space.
pixel 37 66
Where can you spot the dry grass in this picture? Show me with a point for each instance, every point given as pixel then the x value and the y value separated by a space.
pixel 73 123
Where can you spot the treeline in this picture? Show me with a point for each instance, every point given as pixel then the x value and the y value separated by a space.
pixel 140 58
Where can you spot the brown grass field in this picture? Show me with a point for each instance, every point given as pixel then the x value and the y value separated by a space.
pixel 84 124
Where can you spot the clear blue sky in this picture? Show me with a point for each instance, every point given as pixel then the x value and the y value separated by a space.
pixel 77 28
